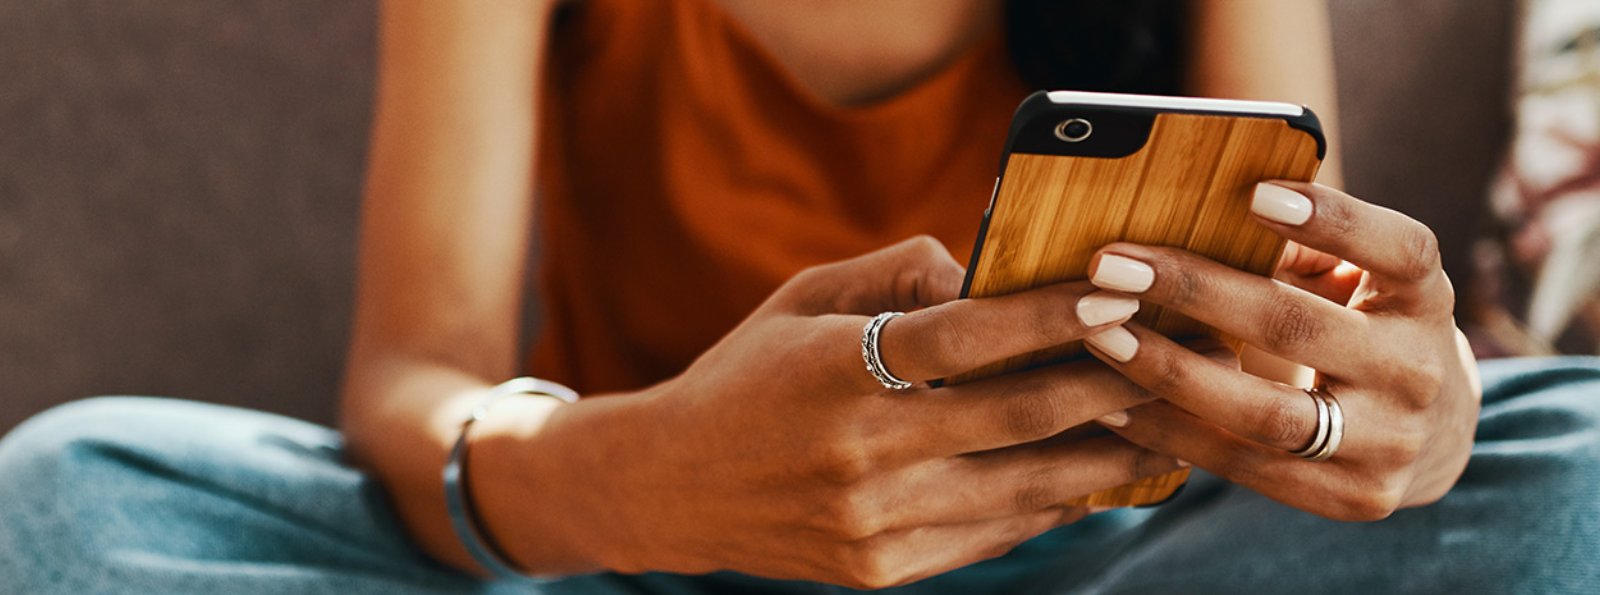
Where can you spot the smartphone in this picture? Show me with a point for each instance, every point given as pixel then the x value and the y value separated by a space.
pixel 1082 170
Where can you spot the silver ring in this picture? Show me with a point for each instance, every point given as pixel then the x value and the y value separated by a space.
pixel 1320 439
pixel 870 352
pixel 1335 428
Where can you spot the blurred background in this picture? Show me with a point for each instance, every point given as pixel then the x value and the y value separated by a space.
pixel 179 183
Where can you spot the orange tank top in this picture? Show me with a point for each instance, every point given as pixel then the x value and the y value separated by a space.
pixel 684 175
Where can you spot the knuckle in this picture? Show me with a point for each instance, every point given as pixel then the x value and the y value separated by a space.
pixel 1402 445
pixel 812 338
pixel 871 567
pixel 1291 326
pixel 845 463
pixel 1335 218
pixel 808 278
pixel 925 245
pixel 1368 510
pixel 1445 296
pixel 1169 373
pixel 999 549
pixel 1405 450
pixel 1282 422
pixel 1427 389
pixel 1035 492
pixel 1181 286
pixel 1020 531
pixel 920 284
pixel 849 517
pixel 1145 463
pixel 1044 325
pixel 1419 255
pixel 1033 412
pixel 1421 382
pixel 850 520
pixel 1376 503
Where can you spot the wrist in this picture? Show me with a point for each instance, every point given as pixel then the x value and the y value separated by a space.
pixel 542 484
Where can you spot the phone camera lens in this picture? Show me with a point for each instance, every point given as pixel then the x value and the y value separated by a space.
pixel 1074 130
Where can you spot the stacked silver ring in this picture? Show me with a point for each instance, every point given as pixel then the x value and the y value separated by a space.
pixel 874 357
pixel 1330 427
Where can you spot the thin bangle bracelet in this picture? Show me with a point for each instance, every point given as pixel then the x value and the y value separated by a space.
pixel 458 503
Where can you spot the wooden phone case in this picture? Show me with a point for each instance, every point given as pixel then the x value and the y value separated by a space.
pixel 1188 184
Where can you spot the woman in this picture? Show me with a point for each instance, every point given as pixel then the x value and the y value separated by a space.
pixel 695 162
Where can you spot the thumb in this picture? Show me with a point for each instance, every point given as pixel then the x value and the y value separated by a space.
pixel 913 274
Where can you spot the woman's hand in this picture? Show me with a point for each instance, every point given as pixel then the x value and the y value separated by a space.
pixel 777 454
pixel 1379 331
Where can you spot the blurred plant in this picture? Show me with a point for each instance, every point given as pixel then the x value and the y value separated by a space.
pixel 1544 257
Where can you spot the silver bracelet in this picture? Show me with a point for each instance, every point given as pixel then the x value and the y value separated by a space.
pixel 458 503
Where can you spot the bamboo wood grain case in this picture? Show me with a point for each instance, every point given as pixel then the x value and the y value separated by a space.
pixel 1082 170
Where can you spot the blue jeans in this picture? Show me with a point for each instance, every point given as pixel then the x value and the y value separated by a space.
pixel 139 495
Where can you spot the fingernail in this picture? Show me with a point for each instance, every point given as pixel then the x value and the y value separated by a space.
pixel 1116 342
pixel 1276 203
pixel 1182 464
pixel 1100 308
pixel 1100 509
pixel 1115 419
pixel 1120 273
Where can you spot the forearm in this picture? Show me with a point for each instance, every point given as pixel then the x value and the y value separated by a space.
pixel 445 223
pixel 1275 50
pixel 400 417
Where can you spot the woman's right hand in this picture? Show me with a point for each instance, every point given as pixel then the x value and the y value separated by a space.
pixel 777 454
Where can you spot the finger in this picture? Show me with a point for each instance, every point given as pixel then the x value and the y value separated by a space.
pixel 1306 262
pixel 1009 482
pixel 1269 314
pixel 1326 488
pixel 1001 411
pixel 962 335
pixel 909 555
pixel 1400 251
pixel 1276 415
pixel 912 274
pixel 1320 273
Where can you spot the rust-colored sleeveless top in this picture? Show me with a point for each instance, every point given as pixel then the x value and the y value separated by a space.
pixel 685 175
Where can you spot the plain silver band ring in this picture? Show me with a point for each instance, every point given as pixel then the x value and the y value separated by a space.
pixel 1320 439
pixel 874 356
pixel 1335 428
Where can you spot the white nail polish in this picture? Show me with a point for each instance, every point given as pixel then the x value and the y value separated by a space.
pixel 1115 419
pixel 1276 203
pixel 1116 342
pixel 1120 273
pixel 1100 308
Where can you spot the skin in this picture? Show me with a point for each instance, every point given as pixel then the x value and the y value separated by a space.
pixel 775 454
pixel 1377 327
pixel 836 478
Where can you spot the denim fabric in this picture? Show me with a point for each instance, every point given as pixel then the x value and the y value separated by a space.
pixel 142 495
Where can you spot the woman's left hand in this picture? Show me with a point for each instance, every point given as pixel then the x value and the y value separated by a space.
pixel 1379 330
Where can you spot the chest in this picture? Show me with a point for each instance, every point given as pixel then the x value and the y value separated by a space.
pixel 858 52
